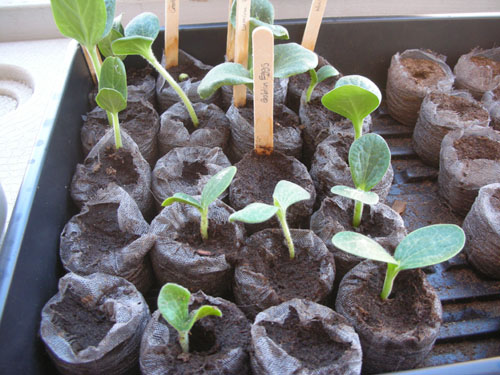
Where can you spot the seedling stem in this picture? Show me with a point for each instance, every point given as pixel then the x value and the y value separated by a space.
pixel 116 129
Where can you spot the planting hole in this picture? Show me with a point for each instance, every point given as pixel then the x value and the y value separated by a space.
pixel 201 340
pixel 471 148
pixel 16 87
pixel 191 172
pixel 425 71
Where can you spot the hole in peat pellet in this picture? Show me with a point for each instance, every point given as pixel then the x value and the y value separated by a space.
pixel 191 172
pixel 423 71
pixel 480 147
pixel 118 165
pixel 201 340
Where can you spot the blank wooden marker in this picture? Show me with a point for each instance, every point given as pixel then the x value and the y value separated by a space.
pixel 230 36
pixel 171 33
pixel 313 24
pixel 241 47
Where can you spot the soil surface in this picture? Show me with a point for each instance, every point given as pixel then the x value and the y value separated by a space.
pixel 484 61
pixel 115 167
pixel 423 72
pixel 466 109
pixel 194 73
pixel 479 147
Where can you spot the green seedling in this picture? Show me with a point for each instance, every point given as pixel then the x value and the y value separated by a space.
pixel 319 76
pixel 285 194
pixel 217 184
pixel 115 33
pixel 140 34
pixel 173 303
pixel 289 59
pixel 369 159
pixel 112 95
pixel 421 248
pixel 353 97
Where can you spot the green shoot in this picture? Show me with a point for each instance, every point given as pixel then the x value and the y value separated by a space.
pixel 140 34
pixel 285 194
pixel 319 76
pixel 116 32
pixel 423 247
pixel 217 184
pixel 369 159
pixel 173 303
pixel 353 97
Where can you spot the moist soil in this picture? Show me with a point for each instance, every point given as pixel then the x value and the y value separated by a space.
pixel 423 72
pixel 115 167
pixel 484 61
pixel 467 110
pixel 281 118
pixel 472 148
pixel 194 73
pixel 192 172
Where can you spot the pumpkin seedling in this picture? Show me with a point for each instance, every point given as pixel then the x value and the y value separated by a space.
pixel 173 303
pixel 211 191
pixel 421 248
pixel 319 76
pixel 353 97
pixel 285 194
pixel 369 159
pixel 140 34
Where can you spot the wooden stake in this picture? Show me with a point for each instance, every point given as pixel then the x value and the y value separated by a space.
pixel 230 36
pixel 263 100
pixel 313 24
pixel 171 33
pixel 88 60
pixel 241 47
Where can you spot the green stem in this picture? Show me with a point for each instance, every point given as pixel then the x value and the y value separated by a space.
pixel 204 224
pixel 116 129
pixel 153 61
pixel 358 212
pixel 95 60
pixel 358 129
pixel 286 231
pixel 312 85
pixel 184 341
pixel 390 275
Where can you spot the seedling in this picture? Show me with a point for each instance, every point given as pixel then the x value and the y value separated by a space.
pixel 173 303
pixel 116 32
pixel 353 97
pixel 319 76
pixel 211 191
pixel 369 159
pixel 285 194
pixel 140 34
pixel 423 247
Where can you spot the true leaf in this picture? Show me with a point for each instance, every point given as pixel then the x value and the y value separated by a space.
pixel 216 185
pixel 362 246
pixel 224 74
pixel 182 198
pixel 365 197
pixel 292 59
pixel 254 213
pixel 369 159
pixel 287 193
pixel 430 245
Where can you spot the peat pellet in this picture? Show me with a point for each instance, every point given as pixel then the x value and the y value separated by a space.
pixel 94 325
pixel 104 165
pixel 180 255
pixel 469 160
pixel 478 71
pixel 195 70
pixel 140 120
pixel 109 236
pixel 266 276
pixel 491 101
pixel 287 134
pixel 256 179
pixel 330 167
pixel 217 345
pixel 441 113
pixel 396 334
pixel 303 337
pixel 177 129
pixel 482 228
pixel 379 222
pixel 412 75
pixel 186 170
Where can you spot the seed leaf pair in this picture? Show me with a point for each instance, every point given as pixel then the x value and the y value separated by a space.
pixel 319 76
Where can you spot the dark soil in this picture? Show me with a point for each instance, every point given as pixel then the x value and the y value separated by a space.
pixel 424 72
pixel 135 76
pixel 472 148
pixel 467 110
pixel 484 61
pixel 194 73
pixel 191 172
pixel 115 167
pixel 281 118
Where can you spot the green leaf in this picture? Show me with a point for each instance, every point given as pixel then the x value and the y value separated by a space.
pixel 140 34
pixel 362 246
pixel 113 76
pixel 353 97
pixel 110 14
pixel 105 43
pixel 202 312
pixel 287 193
pixel 82 20
pixel 173 303
pixel 279 32
pixel 182 198
pixel 292 59
pixel 326 72
pixel 365 197
pixel 369 159
pixel 254 213
pixel 133 45
pixel 261 10
pixel 430 245
pixel 145 24
pixel 216 186
pixel 111 100
pixel 224 74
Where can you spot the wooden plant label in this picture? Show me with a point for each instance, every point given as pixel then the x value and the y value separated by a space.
pixel 263 88
pixel 171 33
pixel 241 47
pixel 230 36
pixel 88 60
pixel 313 24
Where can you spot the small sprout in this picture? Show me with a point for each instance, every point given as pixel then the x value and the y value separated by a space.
pixel 116 32
pixel 112 95
pixel 183 77
pixel 173 303
pixel 217 184
pixel 353 97
pixel 369 159
pixel 319 76
pixel 285 194
pixel 421 248
pixel 140 34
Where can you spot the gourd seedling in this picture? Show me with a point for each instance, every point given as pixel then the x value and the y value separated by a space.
pixel 319 76
pixel 421 248
pixel 353 97
pixel 112 95
pixel 369 159
pixel 211 191
pixel 116 32
pixel 285 194
pixel 173 303
pixel 140 34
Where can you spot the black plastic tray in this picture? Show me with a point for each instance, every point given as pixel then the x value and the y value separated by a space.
pixel 29 264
